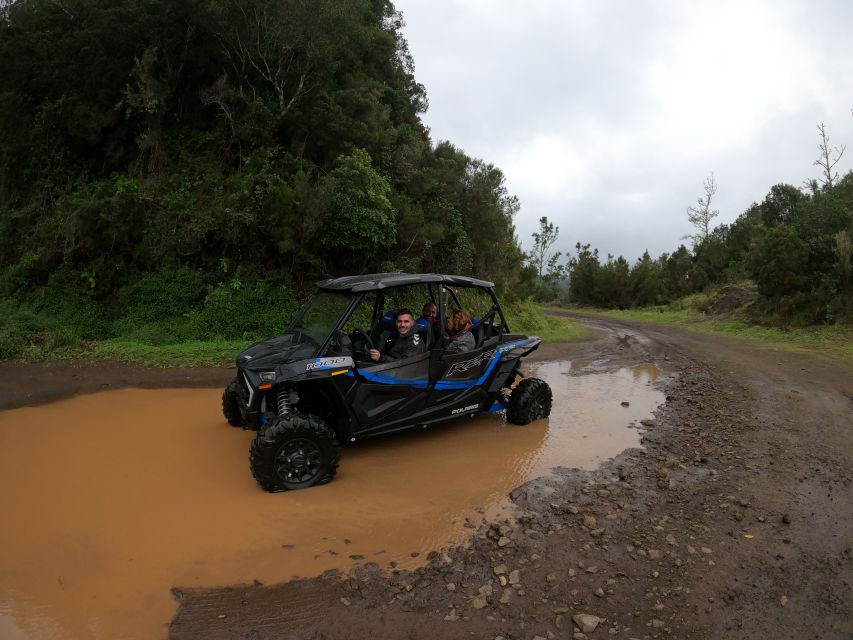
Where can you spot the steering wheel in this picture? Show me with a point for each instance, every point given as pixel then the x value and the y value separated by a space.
pixel 358 333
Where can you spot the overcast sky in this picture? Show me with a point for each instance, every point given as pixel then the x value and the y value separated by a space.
pixel 607 116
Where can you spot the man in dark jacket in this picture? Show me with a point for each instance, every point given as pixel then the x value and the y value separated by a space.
pixel 406 343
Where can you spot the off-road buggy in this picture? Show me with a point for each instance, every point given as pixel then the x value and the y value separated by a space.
pixel 314 386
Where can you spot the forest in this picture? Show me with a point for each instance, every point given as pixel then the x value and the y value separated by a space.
pixel 175 171
pixel 790 256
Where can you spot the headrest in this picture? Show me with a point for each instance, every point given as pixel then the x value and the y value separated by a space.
pixel 388 321
pixel 421 325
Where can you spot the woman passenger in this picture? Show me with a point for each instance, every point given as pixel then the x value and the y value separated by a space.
pixel 459 330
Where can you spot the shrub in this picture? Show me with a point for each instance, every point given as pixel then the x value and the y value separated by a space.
pixel 245 311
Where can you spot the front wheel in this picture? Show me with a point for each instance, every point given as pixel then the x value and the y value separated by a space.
pixel 530 401
pixel 231 405
pixel 294 452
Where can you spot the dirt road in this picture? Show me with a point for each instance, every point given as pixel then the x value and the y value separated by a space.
pixel 733 521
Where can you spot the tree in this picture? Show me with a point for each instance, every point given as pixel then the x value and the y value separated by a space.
pixel 828 158
pixel 778 262
pixel 584 275
pixel 542 242
pixel 360 219
pixel 701 214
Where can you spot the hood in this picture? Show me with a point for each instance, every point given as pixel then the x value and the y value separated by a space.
pixel 275 351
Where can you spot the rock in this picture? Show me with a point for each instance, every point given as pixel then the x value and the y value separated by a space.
pixel 599 592
pixel 783 601
pixel 499 570
pixel 514 576
pixel 590 522
pixel 625 403
pixel 586 622
pixel 647 423
pixel 479 602
pixel 551 577
pixel 786 519
pixel 450 586
pixel 655 554
pixel 603 493
pixel 657 624
pixel 707 550
pixel 503 541
pixel 506 596
pixel 590 569
pixel 451 617
pixel 345 602
pixel 486 590
pixel 503 580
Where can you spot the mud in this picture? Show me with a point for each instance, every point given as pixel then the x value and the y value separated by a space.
pixel 119 496
pixel 732 521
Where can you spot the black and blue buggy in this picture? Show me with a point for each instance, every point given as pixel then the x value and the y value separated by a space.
pixel 313 387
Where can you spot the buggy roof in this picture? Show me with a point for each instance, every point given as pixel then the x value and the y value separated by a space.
pixel 374 281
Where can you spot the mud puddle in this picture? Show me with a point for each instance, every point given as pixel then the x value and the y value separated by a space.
pixel 114 498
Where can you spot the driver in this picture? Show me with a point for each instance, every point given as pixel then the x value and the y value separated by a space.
pixel 406 343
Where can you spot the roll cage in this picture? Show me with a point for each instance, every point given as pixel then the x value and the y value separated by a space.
pixel 439 290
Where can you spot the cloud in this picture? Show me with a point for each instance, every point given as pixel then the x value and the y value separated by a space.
pixel 606 117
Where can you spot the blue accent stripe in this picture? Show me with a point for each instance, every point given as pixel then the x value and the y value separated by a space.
pixel 443 384
pixel 498 406
pixel 384 378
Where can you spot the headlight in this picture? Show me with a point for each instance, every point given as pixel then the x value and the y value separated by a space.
pixel 267 376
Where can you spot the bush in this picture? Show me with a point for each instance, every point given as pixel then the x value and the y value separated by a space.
pixel 242 311
pixel 163 294
pixel 68 298
pixel 23 331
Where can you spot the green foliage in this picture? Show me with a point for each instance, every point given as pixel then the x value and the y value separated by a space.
pixel 244 311
pixel 526 317
pixel 148 149
pixel 161 294
pixel 778 262
pixel 25 332
pixel 360 218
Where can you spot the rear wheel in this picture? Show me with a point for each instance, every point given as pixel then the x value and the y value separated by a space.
pixel 231 405
pixel 294 452
pixel 530 401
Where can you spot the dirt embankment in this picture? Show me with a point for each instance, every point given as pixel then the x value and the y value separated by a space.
pixel 733 521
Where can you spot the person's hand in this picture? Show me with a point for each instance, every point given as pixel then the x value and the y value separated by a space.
pixel 375 355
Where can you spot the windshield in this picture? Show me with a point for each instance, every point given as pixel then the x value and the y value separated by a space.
pixel 318 316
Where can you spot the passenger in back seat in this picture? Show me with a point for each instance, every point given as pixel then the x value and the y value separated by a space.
pixel 459 330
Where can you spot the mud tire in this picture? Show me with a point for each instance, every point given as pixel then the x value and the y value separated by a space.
pixel 231 405
pixel 294 452
pixel 530 401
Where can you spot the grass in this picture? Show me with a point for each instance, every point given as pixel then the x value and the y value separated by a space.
pixel 185 354
pixel 837 339
pixel 561 330
pixel 526 317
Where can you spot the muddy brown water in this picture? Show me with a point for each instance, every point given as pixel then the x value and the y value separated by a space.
pixel 112 499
